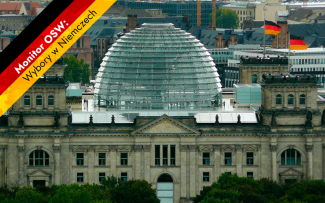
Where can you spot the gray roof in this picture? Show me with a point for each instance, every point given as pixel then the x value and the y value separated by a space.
pixel 248 36
pixel 300 14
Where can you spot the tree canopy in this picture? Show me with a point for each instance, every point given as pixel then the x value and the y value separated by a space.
pixel 226 18
pixel 233 189
pixel 76 70
pixel 111 190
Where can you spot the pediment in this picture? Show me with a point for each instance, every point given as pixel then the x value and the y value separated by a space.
pixel 291 172
pixel 39 173
pixel 165 125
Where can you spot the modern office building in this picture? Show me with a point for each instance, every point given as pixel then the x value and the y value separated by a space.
pixel 175 8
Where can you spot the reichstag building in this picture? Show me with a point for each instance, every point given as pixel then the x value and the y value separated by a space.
pixel 157 93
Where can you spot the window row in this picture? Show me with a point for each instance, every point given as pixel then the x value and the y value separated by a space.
pixel 101 176
pixel 206 176
pixel 228 158
pixel 39 100
pixel 101 159
pixel 288 157
pixel 302 99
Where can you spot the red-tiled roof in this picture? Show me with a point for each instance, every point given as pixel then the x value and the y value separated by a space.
pixel 10 6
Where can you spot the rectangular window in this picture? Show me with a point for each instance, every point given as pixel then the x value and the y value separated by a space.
pixel 206 158
pixel 101 177
pixel 229 173
pixel 124 176
pixel 80 177
pixel 250 158
pixel 80 159
pixel 102 159
pixel 249 174
pixel 228 158
pixel 206 177
pixel 124 159
pixel 157 155
pixel 172 155
pixel 165 155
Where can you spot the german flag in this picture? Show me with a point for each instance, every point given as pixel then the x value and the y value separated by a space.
pixel 296 43
pixel 272 28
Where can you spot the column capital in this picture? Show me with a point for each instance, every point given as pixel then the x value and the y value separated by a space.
pixel 146 148
pixel 183 148
pixel 309 147
pixel 273 148
pixel 3 146
pixel 138 148
pixel 56 149
pixel 21 149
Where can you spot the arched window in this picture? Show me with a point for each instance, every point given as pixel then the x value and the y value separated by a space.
pixel 290 99
pixel 302 99
pixel 290 157
pixel 50 100
pixel 254 78
pixel 278 99
pixel 39 158
pixel 27 100
pixel 39 100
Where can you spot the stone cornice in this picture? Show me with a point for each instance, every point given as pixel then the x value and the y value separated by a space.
pixel 206 148
pixel 191 131
pixel 101 148
pixel 79 148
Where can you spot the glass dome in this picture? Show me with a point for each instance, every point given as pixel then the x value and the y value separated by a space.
pixel 157 66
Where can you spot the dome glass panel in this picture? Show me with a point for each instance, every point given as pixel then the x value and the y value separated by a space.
pixel 157 66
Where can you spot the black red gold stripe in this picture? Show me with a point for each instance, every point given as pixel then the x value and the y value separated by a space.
pixel 272 28
pixel 296 43
pixel 14 83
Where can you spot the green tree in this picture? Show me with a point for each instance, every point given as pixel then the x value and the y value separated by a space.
pixel 134 191
pixel 73 193
pixel 28 195
pixel 226 18
pixel 76 70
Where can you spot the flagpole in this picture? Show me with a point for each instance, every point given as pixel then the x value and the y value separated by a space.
pixel 264 31
pixel 289 54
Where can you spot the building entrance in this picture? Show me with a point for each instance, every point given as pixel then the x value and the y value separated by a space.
pixel 165 189
pixel 38 183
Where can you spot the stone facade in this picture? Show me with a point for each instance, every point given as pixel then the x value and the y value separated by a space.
pixel 197 153
pixel 251 68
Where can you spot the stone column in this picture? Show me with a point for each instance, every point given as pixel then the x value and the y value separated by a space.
pixel 273 149
pixel 113 154
pixel 184 176
pixel 33 99
pixel 91 166
pixel 296 99
pixel 192 170
pixel 57 160
pixel 21 153
pixel 137 161
pixel 56 99
pixel 285 98
pixel 45 104
pixel 2 164
pixel 217 162
pixel 239 159
pixel 309 149
pixel 146 163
